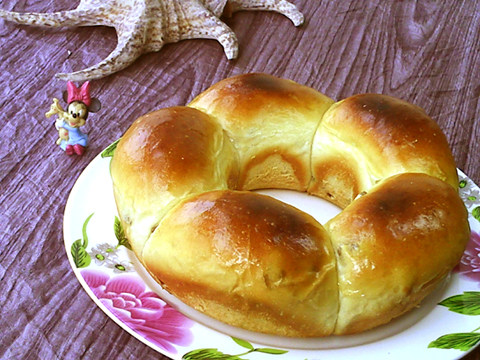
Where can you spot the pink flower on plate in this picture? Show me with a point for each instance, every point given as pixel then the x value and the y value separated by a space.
pixel 142 311
pixel 470 263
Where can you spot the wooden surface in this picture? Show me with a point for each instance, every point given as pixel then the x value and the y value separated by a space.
pixel 426 52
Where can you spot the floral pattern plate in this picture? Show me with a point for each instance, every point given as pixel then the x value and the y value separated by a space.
pixel 445 326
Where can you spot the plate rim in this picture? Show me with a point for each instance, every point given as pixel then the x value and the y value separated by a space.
pixel 96 161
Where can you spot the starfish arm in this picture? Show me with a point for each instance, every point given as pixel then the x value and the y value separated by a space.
pixel 216 7
pixel 74 17
pixel 215 29
pixel 199 22
pixel 131 42
pixel 281 6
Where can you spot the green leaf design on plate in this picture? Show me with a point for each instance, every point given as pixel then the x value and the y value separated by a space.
pixel 110 150
pixel 120 234
pixel 243 343
pixel 467 303
pixel 271 351
pixel 79 254
pixel 462 184
pixel 209 354
pixel 476 213
pixel 84 231
pixel 79 248
pixel 214 354
pixel 459 341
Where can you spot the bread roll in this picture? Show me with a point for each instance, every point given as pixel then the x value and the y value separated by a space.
pixel 366 138
pixel 180 175
pixel 163 157
pixel 249 260
pixel 393 245
pixel 271 123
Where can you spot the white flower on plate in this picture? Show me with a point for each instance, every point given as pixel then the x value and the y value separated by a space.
pixel 469 193
pixel 473 197
pixel 103 252
pixel 118 266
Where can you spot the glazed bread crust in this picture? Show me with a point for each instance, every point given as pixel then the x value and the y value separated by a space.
pixel 393 245
pixel 271 123
pixel 181 178
pixel 163 157
pixel 257 250
pixel 369 137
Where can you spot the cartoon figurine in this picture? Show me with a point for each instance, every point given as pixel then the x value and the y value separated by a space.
pixel 71 139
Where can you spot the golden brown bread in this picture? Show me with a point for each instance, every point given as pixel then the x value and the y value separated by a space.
pixel 257 250
pixel 373 137
pixel 271 123
pixel 393 245
pixel 163 157
pixel 180 176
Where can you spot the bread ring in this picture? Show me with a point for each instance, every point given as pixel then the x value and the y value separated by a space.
pixel 181 177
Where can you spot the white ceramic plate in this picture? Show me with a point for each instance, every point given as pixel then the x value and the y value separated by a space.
pixel 119 285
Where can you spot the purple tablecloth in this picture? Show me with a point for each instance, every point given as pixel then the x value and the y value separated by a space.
pixel 424 52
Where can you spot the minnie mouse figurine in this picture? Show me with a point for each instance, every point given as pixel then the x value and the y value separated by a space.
pixel 71 139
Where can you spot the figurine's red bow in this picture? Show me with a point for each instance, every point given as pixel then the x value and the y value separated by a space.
pixel 76 94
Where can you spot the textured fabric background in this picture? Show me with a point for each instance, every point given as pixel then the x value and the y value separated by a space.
pixel 426 52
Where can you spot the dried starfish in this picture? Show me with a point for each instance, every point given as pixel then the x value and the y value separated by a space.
pixel 146 25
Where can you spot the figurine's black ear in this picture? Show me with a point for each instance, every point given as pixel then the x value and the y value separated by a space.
pixel 95 105
pixel 65 96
